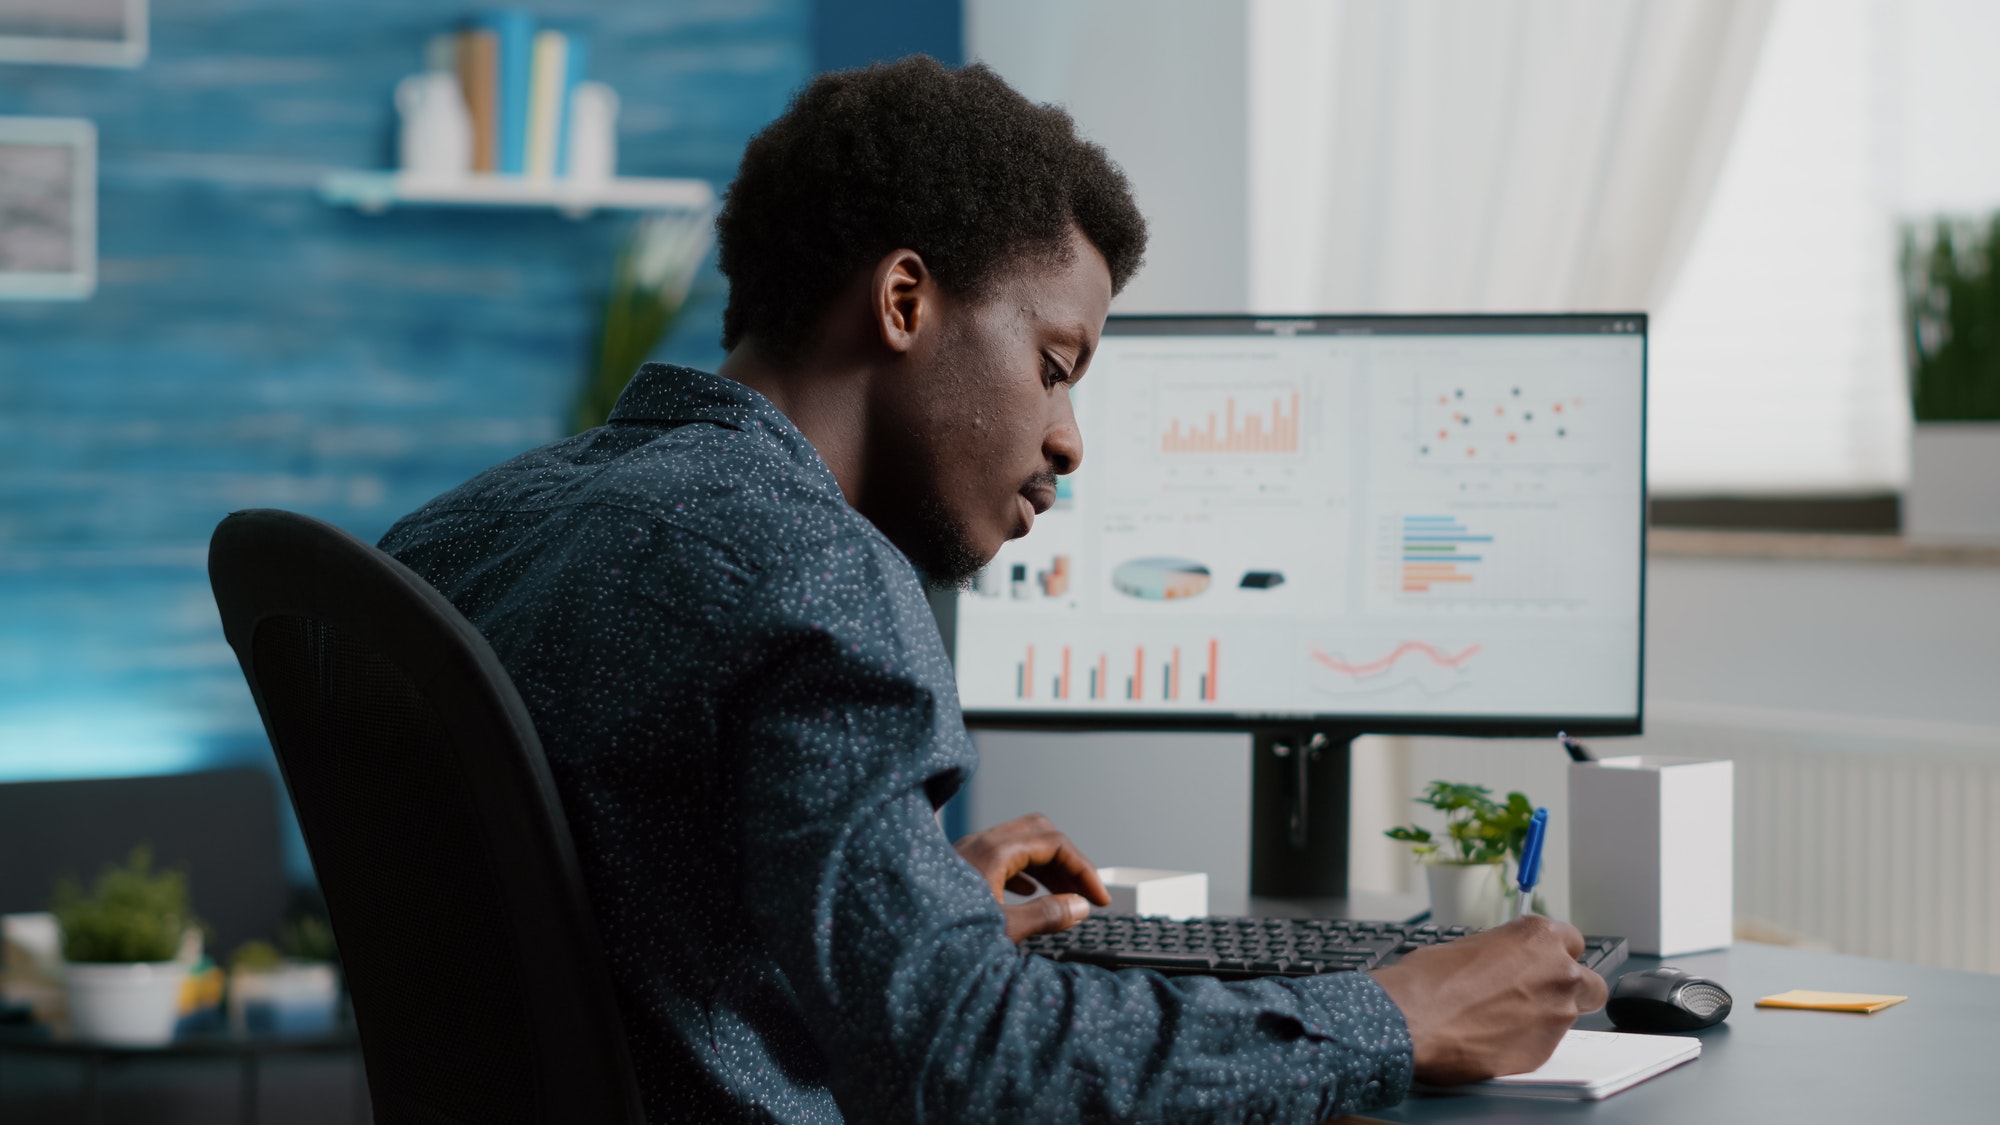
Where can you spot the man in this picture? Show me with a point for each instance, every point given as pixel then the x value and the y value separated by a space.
pixel 713 608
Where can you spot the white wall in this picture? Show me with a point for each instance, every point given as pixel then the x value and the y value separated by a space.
pixel 1161 84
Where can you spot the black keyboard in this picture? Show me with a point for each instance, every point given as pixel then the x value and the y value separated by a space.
pixel 1234 948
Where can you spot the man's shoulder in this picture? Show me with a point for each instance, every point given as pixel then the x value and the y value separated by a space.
pixel 706 487
pixel 733 488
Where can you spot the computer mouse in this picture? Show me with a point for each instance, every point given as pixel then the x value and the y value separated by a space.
pixel 1667 999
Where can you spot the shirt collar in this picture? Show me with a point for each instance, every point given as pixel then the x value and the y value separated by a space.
pixel 664 392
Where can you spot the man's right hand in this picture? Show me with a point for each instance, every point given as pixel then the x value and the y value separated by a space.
pixel 1495 1002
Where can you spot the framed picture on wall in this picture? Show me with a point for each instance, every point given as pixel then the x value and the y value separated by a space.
pixel 75 32
pixel 48 208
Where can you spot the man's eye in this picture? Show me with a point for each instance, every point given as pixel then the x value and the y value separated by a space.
pixel 1053 372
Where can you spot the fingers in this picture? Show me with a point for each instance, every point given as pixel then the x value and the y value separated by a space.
pixel 1068 870
pixel 1592 991
pixel 1022 885
pixel 1572 938
pixel 1496 1002
pixel 1587 987
pixel 1534 926
pixel 1046 915
pixel 1032 846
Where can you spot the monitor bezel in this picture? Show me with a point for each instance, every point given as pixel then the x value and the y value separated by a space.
pixel 1351 723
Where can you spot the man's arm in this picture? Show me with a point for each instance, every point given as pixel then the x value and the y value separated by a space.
pixel 1494 1003
pixel 897 952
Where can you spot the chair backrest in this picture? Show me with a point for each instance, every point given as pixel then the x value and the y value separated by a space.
pixel 479 984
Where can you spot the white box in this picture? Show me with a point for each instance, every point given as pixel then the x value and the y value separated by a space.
pixel 1652 851
pixel 1143 890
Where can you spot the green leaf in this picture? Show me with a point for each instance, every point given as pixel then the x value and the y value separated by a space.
pixel 131 915
pixel 1481 830
pixel 1951 304
pixel 650 285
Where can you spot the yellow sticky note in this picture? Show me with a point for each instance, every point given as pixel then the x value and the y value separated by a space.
pixel 1830 1001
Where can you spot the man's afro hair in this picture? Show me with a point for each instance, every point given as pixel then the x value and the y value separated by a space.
pixel 954 164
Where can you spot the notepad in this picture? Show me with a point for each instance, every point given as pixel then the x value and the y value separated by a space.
pixel 1589 1065
pixel 1830 1001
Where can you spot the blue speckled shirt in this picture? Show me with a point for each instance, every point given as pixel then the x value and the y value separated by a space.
pixel 751 720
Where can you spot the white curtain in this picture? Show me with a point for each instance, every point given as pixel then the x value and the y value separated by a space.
pixel 1778 357
pixel 1482 155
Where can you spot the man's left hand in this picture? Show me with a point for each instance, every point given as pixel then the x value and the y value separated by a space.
pixel 1022 856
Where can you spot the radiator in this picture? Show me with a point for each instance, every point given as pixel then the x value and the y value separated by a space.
pixel 1884 855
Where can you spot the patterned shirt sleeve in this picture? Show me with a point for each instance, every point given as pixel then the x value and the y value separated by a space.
pixel 840 731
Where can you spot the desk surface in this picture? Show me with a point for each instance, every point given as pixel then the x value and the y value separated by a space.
pixel 1928 1059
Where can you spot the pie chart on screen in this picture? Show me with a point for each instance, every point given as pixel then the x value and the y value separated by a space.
pixel 1160 579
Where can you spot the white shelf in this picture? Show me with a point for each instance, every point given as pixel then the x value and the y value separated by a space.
pixel 376 192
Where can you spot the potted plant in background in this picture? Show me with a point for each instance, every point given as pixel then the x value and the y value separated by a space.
pixel 294 992
pixel 1468 884
pixel 649 288
pixel 126 951
pixel 1951 290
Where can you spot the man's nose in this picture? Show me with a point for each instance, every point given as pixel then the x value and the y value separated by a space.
pixel 1063 445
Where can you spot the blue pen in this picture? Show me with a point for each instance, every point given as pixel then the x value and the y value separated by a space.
pixel 1531 859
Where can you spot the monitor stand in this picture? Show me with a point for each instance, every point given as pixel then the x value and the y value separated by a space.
pixel 1298 812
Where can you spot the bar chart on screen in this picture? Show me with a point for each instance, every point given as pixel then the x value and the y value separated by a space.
pixel 1210 419
pixel 1157 673
pixel 1483 559
pixel 1439 552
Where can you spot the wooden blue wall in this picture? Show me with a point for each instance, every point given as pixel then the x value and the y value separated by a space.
pixel 250 346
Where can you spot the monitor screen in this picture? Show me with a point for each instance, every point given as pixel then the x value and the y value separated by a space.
pixel 1372 523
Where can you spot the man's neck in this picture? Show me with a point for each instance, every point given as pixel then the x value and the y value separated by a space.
pixel 826 400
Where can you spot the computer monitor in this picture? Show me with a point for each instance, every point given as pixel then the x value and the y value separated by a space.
pixel 1351 524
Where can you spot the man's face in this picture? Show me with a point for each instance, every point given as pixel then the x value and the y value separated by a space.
pixel 974 439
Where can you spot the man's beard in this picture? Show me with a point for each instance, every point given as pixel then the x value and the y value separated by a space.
pixel 944 548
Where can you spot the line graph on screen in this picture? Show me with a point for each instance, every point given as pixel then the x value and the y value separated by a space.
pixel 1428 668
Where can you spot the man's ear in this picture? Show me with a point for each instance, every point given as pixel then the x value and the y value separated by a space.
pixel 904 299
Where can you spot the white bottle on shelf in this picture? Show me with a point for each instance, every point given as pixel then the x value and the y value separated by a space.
pixel 593 134
pixel 435 141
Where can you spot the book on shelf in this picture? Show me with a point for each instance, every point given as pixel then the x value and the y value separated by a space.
pixel 545 98
pixel 514 32
pixel 479 76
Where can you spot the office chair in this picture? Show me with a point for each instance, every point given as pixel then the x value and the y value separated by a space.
pixel 479 985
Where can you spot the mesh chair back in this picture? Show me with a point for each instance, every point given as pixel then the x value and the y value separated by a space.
pixel 479 986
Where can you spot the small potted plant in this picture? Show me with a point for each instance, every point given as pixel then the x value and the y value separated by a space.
pixel 1468 884
pixel 123 947
pixel 1951 293
pixel 296 992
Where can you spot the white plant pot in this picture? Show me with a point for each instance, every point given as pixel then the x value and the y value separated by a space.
pixel 298 998
pixel 1952 494
pixel 133 1005
pixel 1473 895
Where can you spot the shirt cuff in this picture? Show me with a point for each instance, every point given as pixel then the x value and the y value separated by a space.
pixel 1365 1041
